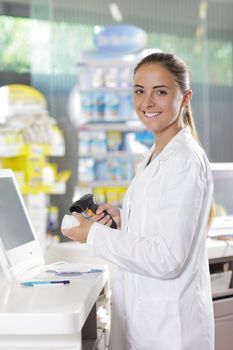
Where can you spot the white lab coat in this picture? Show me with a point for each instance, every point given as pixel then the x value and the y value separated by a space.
pixel 162 295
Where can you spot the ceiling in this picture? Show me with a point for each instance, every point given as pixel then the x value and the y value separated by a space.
pixel 147 13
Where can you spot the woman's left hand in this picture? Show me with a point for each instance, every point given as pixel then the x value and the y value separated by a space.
pixel 79 233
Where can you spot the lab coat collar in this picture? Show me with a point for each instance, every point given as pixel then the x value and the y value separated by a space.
pixel 170 148
pixel 174 142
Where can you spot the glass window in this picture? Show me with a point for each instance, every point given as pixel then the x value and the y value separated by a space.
pixel 15 44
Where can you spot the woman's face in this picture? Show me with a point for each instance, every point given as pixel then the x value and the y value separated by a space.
pixel 158 100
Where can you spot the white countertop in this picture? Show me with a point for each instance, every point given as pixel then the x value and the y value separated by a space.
pixel 51 309
pixel 219 248
pixel 55 314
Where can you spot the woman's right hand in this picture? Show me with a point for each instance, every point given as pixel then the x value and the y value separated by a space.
pixel 113 211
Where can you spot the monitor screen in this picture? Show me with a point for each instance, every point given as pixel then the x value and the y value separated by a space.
pixel 19 243
pixel 223 188
pixel 15 228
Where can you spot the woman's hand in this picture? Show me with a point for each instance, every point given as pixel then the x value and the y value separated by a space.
pixel 113 211
pixel 79 233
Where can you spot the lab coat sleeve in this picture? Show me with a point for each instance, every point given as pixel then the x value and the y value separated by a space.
pixel 164 253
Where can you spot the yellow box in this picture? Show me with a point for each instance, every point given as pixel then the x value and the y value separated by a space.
pixel 31 163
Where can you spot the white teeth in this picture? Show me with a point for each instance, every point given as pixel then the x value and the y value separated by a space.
pixel 151 115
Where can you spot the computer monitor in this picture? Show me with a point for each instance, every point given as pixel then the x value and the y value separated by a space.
pixel 223 194
pixel 22 248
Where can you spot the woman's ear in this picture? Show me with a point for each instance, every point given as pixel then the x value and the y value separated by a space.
pixel 187 97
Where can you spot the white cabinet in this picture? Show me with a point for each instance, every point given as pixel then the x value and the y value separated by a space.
pixel 223 314
pixel 221 266
pixel 97 329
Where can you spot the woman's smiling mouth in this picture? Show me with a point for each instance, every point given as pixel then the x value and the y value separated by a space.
pixel 152 114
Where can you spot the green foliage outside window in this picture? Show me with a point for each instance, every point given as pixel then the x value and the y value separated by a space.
pixel 14 44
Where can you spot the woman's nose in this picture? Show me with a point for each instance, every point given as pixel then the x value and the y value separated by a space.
pixel 148 101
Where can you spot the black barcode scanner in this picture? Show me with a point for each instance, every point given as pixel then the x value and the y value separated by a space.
pixel 88 204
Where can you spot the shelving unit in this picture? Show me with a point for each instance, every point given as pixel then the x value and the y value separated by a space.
pixel 29 137
pixel 111 138
pixel 106 168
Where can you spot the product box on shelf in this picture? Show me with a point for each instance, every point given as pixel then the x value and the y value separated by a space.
pixel 31 163
pixel 11 142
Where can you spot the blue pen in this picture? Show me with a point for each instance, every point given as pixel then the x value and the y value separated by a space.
pixel 40 283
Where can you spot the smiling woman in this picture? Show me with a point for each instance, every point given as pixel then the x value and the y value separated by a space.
pixel 162 290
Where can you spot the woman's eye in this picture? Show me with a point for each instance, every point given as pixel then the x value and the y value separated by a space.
pixel 138 92
pixel 161 92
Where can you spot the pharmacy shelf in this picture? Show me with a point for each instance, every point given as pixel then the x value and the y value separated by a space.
pixel 11 151
pixel 103 183
pixel 112 154
pixel 127 61
pixel 121 90
pixel 55 188
pixel 110 126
